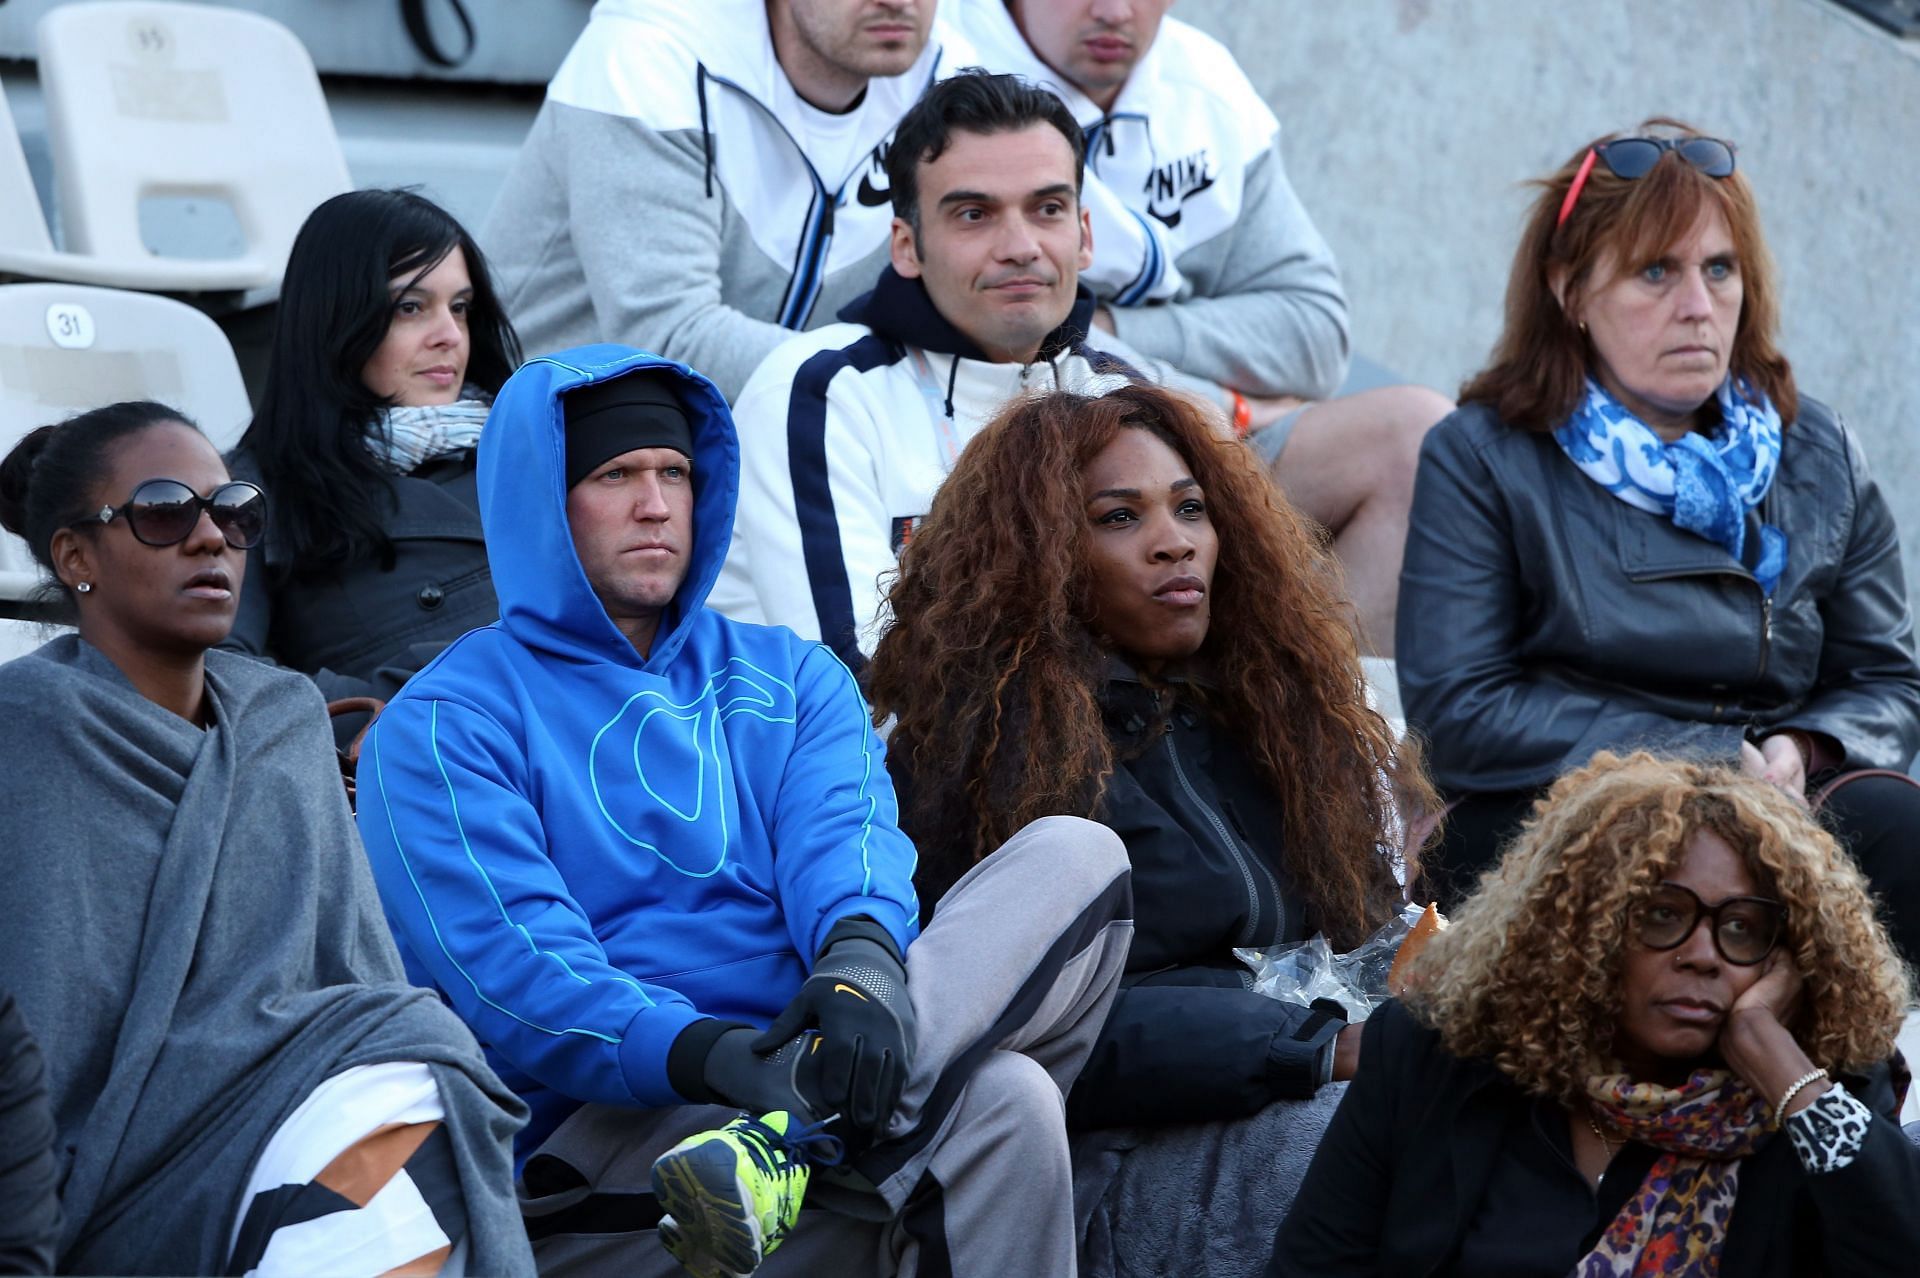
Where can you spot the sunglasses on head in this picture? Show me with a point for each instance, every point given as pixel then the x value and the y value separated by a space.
pixel 1744 928
pixel 164 512
pixel 1631 159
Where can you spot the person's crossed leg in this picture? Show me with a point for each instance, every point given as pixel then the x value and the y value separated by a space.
pixel 1348 464
pixel 1010 985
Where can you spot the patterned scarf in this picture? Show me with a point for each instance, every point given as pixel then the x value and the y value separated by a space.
pixel 405 439
pixel 1676 1222
pixel 1705 485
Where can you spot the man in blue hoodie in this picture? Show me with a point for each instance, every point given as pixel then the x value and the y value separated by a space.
pixel 623 835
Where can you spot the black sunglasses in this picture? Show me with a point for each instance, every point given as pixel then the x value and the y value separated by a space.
pixel 1744 928
pixel 163 512
pixel 1631 159
pixel 1634 158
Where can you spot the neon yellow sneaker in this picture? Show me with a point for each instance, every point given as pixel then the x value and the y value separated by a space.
pixel 729 1197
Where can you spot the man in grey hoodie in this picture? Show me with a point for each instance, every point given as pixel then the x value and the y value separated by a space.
pixel 706 176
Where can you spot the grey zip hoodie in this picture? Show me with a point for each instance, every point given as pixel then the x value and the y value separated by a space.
pixel 662 198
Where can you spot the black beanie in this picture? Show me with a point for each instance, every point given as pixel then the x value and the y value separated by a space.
pixel 606 419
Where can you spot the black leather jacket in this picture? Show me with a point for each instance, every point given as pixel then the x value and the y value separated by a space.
pixel 366 631
pixel 1543 619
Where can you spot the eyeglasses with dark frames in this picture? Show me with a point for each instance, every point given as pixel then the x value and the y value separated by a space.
pixel 163 512
pixel 1745 929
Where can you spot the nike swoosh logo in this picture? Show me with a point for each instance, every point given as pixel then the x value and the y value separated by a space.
pixel 1172 219
pixel 870 195
pixel 838 988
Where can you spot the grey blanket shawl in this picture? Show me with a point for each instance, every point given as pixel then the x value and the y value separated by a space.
pixel 1202 1200
pixel 193 934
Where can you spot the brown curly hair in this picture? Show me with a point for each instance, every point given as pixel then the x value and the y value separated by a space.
pixel 1529 972
pixel 994 675
pixel 1539 366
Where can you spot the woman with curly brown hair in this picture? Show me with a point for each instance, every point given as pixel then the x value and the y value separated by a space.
pixel 1593 1071
pixel 1109 614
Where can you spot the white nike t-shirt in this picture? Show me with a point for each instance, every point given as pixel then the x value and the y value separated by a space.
pixel 831 142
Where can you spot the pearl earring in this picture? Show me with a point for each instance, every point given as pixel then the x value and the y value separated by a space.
pixel 84 587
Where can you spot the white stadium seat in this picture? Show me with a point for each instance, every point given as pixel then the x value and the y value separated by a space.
pixel 66 348
pixel 183 102
pixel 27 251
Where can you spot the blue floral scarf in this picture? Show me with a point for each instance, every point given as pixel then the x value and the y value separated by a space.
pixel 1704 484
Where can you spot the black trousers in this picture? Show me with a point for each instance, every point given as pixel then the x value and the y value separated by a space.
pixel 29 1211
pixel 1876 817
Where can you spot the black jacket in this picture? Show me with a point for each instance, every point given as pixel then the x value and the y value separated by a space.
pixel 29 1173
pixel 1187 1039
pixel 366 630
pixel 1408 1157
pixel 1543 619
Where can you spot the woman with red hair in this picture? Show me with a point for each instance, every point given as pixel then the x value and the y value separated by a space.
pixel 1637 532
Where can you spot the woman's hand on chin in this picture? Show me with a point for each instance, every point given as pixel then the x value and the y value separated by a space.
pixel 1774 995
pixel 1755 1041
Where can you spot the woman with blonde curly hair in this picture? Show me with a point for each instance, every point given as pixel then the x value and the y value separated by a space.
pixel 1593 1070
pixel 1109 614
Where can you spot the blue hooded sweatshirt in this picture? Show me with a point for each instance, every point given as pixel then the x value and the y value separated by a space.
pixel 587 852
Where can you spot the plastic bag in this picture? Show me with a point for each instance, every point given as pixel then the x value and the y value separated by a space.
pixel 1302 972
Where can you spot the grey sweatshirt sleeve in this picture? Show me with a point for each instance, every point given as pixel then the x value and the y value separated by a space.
pixel 653 268
pixel 1268 317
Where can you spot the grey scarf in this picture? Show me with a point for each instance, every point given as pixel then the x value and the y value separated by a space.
pixel 405 439
pixel 194 936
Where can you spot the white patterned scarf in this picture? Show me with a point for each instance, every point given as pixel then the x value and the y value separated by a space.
pixel 1704 484
pixel 405 439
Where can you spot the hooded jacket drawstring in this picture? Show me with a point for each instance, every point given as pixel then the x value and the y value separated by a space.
pixel 953 375
pixel 706 131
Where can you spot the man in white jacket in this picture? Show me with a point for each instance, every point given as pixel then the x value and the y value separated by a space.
pixel 1225 277
pixel 705 175
pixel 846 432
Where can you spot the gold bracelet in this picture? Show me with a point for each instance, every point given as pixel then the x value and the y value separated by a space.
pixel 1793 1090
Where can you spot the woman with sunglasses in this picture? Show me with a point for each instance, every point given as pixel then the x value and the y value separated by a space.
pixel 388 348
pixel 1658 1039
pixel 241 1078
pixel 1636 532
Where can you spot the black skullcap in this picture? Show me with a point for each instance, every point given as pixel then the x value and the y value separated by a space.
pixel 606 419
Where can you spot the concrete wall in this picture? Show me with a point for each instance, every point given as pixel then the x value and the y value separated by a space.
pixel 1409 126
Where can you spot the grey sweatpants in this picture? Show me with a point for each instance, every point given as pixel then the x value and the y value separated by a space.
pixel 1011 982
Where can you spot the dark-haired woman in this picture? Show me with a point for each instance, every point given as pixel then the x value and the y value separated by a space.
pixel 387 350
pixel 241 1078
pixel 1108 614
pixel 1636 532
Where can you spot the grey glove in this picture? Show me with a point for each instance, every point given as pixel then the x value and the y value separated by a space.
pixel 739 1076
pixel 856 1002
